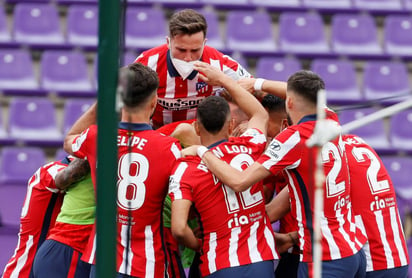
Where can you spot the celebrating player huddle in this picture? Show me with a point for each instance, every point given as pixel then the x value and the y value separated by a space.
pixel 221 182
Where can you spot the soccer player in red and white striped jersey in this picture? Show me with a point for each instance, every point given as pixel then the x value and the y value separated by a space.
pixel 237 235
pixel 40 209
pixel 342 255
pixel 145 162
pixel 376 212
pixel 180 90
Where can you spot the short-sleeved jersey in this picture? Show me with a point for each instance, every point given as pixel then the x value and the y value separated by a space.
pixel 374 206
pixel 236 230
pixel 76 218
pixel 177 98
pixel 144 168
pixel 288 151
pixel 41 206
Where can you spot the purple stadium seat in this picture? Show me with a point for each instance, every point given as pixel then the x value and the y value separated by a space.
pixel 401 131
pixel 60 154
pixel 4 30
pixel 11 202
pixel 340 80
pixel 129 57
pixel 408 6
pixel 8 242
pixel 82 25
pixel 73 109
pixel 33 121
pixel 145 27
pixel 374 133
pixel 70 2
pixel 398 35
pixel 399 168
pixel 276 68
pixel 177 3
pixel 354 34
pixel 37 24
pixel 386 79
pixel 249 31
pixel 226 3
pixel 277 3
pixel 378 5
pixel 301 32
pixel 214 39
pixel 18 164
pixel 327 4
pixel 66 73
pixel 16 71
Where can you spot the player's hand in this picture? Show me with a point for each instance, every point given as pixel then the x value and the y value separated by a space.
pixel 247 84
pixel 284 241
pixel 189 151
pixel 240 129
pixel 210 74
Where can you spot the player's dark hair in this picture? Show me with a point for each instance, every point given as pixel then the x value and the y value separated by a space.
pixel 141 83
pixel 213 113
pixel 273 103
pixel 306 84
pixel 187 22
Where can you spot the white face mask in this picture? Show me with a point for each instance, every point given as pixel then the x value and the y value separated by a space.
pixel 183 68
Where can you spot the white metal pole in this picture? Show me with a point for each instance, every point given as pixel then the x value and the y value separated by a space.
pixel 319 181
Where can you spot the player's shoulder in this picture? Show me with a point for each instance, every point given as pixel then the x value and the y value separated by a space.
pixel 158 50
pixel 251 135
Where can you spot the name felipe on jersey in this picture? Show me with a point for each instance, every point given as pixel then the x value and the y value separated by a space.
pixel 180 103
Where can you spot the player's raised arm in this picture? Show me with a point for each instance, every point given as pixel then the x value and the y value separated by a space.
pixel 258 116
pixel 85 120
pixel 74 172
pixel 260 87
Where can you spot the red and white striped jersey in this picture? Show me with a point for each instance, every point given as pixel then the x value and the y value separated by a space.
pixel 288 151
pixel 288 221
pixel 143 177
pixel 236 229
pixel 40 209
pixel 177 98
pixel 374 206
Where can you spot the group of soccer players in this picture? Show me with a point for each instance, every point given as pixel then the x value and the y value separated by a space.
pixel 222 180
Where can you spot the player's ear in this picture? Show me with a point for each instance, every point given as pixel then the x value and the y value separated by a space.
pixel 197 128
pixel 231 125
pixel 168 41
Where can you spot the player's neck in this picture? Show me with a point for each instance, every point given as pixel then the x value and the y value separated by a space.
pixel 136 118
pixel 208 139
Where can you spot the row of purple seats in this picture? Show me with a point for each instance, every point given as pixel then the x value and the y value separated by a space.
pixel 357 5
pixel 386 81
pixel 66 73
pixel 61 71
pixel 398 168
pixel 33 128
pixel 304 33
pixel 33 121
pixel 246 31
pixel 398 137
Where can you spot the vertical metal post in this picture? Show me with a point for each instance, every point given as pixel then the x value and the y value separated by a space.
pixel 108 65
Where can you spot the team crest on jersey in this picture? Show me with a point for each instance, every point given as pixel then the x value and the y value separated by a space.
pixel 202 87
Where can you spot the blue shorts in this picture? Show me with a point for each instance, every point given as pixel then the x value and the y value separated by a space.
pixel 58 260
pixel 263 269
pixel 398 272
pixel 352 266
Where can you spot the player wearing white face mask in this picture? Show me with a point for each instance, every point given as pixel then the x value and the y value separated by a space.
pixel 180 91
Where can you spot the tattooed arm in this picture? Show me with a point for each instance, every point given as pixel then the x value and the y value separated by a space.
pixel 74 172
